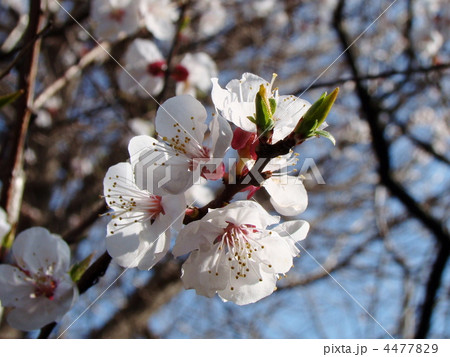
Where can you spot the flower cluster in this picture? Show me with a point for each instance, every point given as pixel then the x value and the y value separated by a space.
pixel 233 248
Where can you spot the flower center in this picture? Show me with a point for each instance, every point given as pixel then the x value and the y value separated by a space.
pixel 132 205
pixel 198 156
pixel 44 286
pixel 157 69
pixel 180 73
pixel 117 15
pixel 43 282
pixel 240 245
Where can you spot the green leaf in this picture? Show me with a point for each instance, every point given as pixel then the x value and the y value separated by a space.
pixel 77 270
pixel 273 105
pixel 9 98
pixel 253 120
pixel 327 135
pixel 316 114
pixel 263 106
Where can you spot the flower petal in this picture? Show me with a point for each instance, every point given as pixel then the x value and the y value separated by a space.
pixel 158 168
pixel 221 136
pixel 287 194
pixel 14 289
pixel 242 212
pixel 154 252
pixel 159 17
pixel 244 293
pixel 196 235
pixel 294 231
pixel 278 253
pixel 139 146
pixel 181 123
pixel 36 248
pixel 124 246
pixel 289 111
pixel 205 272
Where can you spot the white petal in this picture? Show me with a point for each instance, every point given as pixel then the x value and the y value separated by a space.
pixel 14 290
pixel 157 167
pixel 289 111
pixel 242 212
pixel 124 246
pixel 219 95
pixel 293 231
pixel 278 253
pixel 287 194
pixel 182 119
pixel 205 272
pixel 281 163
pixel 138 146
pixel 247 87
pixel 221 136
pixel 245 293
pixel 238 113
pixel 36 248
pixel 136 80
pixel 196 235
pixel 237 102
pixel 191 277
pixel 142 49
pixel 174 209
pixel 154 252
pixel 200 194
pixel 123 173
pixel 159 17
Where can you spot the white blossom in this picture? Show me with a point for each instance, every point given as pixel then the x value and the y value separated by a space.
pixel 237 102
pixel 37 286
pixel 176 161
pixel 114 19
pixel 287 194
pixel 200 69
pixel 147 69
pixel 140 227
pixel 234 254
pixel 212 15
pixel 159 17
pixel 145 66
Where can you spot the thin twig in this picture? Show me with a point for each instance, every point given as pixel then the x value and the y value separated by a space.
pixel 98 53
pixel 25 49
pixel 12 175
pixel 381 75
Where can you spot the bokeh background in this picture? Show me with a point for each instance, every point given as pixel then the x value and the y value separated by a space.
pixel 375 262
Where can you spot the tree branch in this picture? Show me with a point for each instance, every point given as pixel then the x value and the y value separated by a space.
pixel 12 169
pixel 381 149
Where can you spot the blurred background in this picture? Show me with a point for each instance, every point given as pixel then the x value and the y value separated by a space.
pixel 375 262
